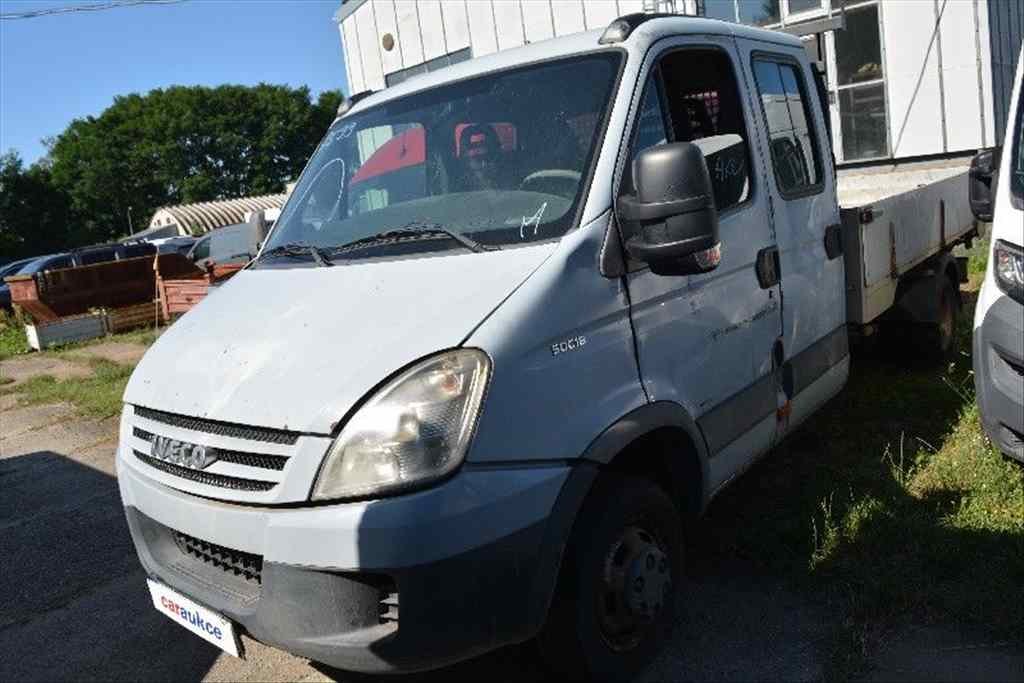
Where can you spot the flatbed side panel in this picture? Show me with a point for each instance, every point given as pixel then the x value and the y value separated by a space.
pixel 906 230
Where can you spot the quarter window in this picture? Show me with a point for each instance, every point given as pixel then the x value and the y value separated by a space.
pixel 792 142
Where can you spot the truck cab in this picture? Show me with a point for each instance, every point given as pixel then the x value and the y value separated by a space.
pixel 519 320
pixel 997 195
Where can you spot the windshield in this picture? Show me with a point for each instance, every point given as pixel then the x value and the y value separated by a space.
pixel 501 159
pixel 1017 160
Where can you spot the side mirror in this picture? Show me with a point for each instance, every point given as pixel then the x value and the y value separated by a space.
pixel 670 222
pixel 982 183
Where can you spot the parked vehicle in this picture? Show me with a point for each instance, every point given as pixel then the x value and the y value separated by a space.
pixel 999 315
pixel 180 245
pixel 231 244
pixel 101 253
pixel 471 401
pixel 5 289
pixel 84 256
pixel 31 267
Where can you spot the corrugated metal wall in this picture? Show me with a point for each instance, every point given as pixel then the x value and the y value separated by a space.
pixel 1005 33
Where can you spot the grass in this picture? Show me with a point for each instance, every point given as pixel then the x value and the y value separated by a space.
pixel 12 336
pixel 98 395
pixel 890 506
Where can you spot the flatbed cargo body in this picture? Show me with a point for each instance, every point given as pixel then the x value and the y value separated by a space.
pixel 894 219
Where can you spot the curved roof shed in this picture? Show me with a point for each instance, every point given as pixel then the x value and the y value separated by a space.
pixel 199 218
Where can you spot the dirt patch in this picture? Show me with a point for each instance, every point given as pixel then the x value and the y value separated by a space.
pixel 117 352
pixel 24 367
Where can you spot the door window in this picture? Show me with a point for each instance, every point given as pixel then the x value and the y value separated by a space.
pixel 704 107
pixel 790 132
pixel 650 128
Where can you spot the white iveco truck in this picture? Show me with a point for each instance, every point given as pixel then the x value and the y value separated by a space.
pixel 519 320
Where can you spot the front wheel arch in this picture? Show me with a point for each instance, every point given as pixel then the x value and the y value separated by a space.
pixel 621 447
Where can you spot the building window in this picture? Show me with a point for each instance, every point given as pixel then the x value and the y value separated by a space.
pixel 433 65
pixel 861 86
pixel 797 6
pixel 753 12
pixel 758 12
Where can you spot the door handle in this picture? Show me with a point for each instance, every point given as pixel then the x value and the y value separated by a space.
pixel 834 241
pixel 768 268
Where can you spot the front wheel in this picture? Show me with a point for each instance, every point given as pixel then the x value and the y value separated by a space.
pixel 615 600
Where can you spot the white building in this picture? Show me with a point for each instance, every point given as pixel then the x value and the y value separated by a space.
pixel 907 78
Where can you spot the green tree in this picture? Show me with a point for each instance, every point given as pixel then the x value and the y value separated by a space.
pixel 185 144
pixel 35 216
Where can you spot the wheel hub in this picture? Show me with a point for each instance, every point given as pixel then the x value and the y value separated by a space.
pixel 647 583
pixel 636 585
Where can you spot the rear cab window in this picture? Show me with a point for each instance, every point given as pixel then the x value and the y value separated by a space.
pixel 794 146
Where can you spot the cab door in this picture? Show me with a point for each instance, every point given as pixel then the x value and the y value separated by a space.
pixel 805 214
pixel 706 341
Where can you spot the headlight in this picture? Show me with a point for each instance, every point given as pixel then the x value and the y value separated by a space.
pixel 1008 267
pixel 414 430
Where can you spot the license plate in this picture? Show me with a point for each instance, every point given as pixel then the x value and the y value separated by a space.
pixel 203 622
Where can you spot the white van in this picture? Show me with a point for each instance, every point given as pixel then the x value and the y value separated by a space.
pixel 997 195
pixel 518 320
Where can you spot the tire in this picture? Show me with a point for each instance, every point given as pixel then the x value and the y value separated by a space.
pixel 614 604
pixel 936 341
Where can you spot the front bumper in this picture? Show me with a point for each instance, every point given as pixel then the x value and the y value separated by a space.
pixel 402 584
pixel 999 374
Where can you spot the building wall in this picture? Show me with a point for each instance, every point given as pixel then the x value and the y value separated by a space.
pixel 426 31
pixel 948 70
pixel 935 80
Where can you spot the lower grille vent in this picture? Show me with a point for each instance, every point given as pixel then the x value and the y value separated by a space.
pixel 388 605
pixel 246 565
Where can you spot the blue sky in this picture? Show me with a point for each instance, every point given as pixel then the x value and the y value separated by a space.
pixel 57 68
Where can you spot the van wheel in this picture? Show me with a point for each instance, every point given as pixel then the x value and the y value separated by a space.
pixel 615 600
pixel 937 340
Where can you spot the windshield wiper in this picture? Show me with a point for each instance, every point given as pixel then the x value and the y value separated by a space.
pixel 417 230
pixel 300 250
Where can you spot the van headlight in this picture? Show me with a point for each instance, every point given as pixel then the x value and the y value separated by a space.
pixel 413 430
pixel 1008 266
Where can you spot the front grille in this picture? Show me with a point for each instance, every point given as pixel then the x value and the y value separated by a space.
pixel 260 460
pixel 246 565
pixel 196 424
pixel 222 480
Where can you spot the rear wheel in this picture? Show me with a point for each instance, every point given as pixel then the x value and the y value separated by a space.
pixel 615 600
pixel 936 341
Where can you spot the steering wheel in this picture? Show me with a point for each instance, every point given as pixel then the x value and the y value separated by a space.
pixel 556 181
